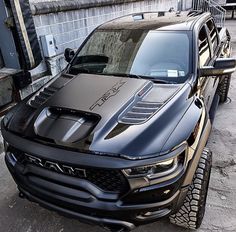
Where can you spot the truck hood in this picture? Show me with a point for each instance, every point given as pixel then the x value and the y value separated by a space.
pixel 103 114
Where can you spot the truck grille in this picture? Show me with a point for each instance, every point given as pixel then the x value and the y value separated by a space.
pixel 107 180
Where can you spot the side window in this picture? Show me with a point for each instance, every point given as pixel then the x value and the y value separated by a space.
pixel 204 49
pixel 213 33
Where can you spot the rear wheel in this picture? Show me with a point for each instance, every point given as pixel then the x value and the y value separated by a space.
pixel 223 88
pixel 192 211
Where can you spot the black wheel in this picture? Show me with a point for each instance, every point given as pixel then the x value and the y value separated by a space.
pixel 192 211
pixel 223 88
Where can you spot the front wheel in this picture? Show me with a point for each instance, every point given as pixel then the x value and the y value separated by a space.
pixel 192 211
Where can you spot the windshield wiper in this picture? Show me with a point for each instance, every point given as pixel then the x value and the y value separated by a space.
pixel 156 80
pixel 130 75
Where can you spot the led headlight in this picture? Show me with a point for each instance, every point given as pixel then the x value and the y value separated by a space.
pixel 156 170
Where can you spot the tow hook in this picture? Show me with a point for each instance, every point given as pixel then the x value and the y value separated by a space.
pixel 21 195
pixel 116 229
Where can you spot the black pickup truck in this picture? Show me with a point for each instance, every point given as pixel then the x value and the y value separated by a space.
pixel 119 138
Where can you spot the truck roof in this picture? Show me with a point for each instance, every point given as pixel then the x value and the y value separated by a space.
pixel 156 21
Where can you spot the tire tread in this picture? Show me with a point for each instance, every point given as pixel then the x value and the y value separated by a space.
pixel 223 88
pixel 191 213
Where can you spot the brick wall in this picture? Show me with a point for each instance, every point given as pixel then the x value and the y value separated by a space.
pixel 70 27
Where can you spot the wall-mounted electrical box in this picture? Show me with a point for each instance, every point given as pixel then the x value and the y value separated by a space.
pixel 48 45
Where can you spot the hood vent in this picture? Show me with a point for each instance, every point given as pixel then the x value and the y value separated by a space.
pixel 42 96
pixel 140 112
pixel 64 125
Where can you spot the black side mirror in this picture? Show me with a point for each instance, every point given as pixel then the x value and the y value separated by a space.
pixel 69 54
pixel 221 67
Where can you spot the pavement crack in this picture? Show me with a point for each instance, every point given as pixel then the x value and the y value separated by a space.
pixel 220 190
pixel 223 165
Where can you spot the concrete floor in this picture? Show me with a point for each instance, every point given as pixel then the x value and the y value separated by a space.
pixel 17 215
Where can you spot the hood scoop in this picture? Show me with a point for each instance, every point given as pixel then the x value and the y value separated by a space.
pixel 140 112
pixel 64 125
pixel 143 108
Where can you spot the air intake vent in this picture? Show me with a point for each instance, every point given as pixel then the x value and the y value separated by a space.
pixel 43 96
pixel 140 112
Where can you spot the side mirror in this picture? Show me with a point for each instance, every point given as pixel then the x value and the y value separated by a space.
pixel 221 66
pixel 69 54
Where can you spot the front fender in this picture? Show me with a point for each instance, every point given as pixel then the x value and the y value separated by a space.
pixel 186 126
pixel 196 117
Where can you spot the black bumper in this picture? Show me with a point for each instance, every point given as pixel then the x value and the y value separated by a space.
pixel 79 198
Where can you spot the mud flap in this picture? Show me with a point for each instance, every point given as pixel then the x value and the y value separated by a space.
pixel 214 107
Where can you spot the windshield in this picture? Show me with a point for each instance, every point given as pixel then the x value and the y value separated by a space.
pixel 155 55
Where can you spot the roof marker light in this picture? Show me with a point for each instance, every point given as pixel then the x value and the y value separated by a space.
pixel 138 17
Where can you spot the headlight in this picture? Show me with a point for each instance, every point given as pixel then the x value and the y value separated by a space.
pixel 156 170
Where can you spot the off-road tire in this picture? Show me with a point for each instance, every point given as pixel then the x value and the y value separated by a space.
pixel 192 211
pixel 223 88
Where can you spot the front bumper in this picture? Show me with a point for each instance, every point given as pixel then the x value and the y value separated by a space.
pixel 79 198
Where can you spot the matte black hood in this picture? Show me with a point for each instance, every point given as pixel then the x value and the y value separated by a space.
pixel 96 94
pixel 104 114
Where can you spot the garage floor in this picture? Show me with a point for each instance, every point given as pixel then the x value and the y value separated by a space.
pixel 22 216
